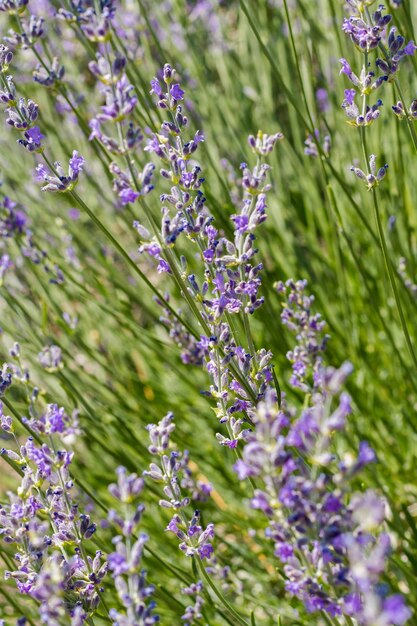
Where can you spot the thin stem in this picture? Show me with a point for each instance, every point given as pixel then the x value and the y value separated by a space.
pixel 297 64
pixel 274 66
pixel 220 596
pixel 392 278
pixel 129 261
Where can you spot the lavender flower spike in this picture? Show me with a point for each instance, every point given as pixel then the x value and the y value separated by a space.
pixel 61 182
pixel 374 177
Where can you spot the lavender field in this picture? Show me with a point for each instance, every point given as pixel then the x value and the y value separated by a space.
pixel 208 295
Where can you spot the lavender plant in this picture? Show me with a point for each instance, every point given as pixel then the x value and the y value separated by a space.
pixel 305 512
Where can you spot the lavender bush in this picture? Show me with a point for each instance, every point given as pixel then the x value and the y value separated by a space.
pixel 207 385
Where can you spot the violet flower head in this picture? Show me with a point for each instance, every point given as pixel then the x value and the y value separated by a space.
pixel 366 35
pixel 50 358
pixel 13 218
pixel 193 612
pixel 51 76
pixel 23 114
pixel 330 549
pixel 299 317
pixel 125 562
pixel 374 177
pixel 60 182
pixel 322 99
pixel 310 145
pixel 365 83
pixel 39 520
pixel 264 144
pixel 397 51
pixel 179 490
pixel 32 140
pixel 360 118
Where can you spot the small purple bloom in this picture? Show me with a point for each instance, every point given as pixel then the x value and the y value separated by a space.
pixel 176 92
pixel 205 551
pixel 156 87
pixel 346 69
pixel 128 196
pixel 395 610
pixel 117 563
pixel 410 48
pixel 350 96
pixel 366 453
pixel 163 267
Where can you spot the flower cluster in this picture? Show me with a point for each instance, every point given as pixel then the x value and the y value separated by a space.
pixel 402 113
pixel 56 420
pixel 13 218
pixel 311 142
pixel 298 316
pixel 22 115
pixel 193 612
pixel 357 118
pixel 95 20
pixel 124 563
pixel 120 102
pixel 118 113
pixel 396 52
pixel 43 523
pixel 374 177
pixel 172 471
pixel 368 32
pixel 231 281
pixel 328 543
pixel 59 181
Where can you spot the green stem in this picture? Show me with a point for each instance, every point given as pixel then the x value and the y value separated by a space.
pixel 220 596
pixel 297 65
pixel 274 66
pixel 392 279
pixel 129 261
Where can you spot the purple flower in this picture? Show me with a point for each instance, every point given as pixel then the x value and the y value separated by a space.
pixel 410 48
pixel 177 93
pixel 322 98
pixel 346 69
pixel 205 551
pixel 332 504
pixel 366 454
pixel 243 469
pixel 241 223
pixel 156 87
pixel 352 604
pixel 76 163
pixel 32 139
pixel 61 182
pixel 163 267
pixel 74 214
pixel 117 563
pixel 395 611
pixel 350 96
pixel 261 501
pixel 284 551
pixel 128 196
pixel 41 173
